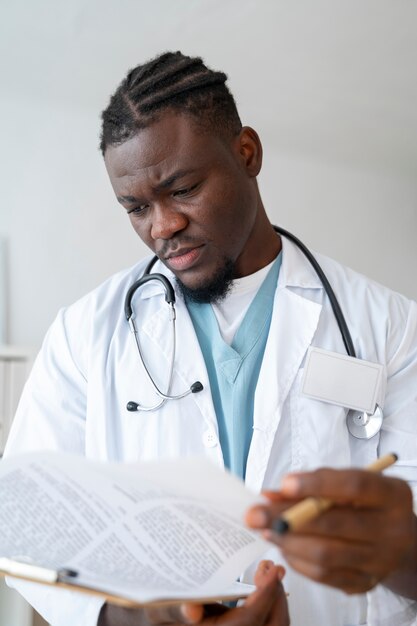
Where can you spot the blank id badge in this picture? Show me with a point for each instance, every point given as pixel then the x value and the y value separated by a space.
pixel 348 382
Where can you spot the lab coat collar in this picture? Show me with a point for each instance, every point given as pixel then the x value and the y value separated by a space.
pixel 296 270
pixel 154 287
pixel 294 323
pixel 295 318
pixel 189 364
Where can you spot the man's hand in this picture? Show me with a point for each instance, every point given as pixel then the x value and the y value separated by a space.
pixel 369 536
pixel 267 606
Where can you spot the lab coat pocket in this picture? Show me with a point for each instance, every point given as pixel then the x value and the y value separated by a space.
pixel 319 433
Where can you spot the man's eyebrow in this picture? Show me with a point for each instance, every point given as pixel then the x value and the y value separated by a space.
pixel 129 199
pixel 163 184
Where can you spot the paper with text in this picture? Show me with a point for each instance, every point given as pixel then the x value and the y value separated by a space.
pixel 149 531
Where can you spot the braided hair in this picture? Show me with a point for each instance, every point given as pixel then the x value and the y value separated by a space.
pixel 170 81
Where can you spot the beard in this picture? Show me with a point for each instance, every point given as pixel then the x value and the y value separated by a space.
pixel 215 290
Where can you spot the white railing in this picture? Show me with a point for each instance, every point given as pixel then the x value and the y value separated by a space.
pixel 15 364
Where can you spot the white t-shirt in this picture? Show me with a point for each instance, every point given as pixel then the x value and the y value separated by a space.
pixel 231 311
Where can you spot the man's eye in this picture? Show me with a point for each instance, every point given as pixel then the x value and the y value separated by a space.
pixel 138 209
pixel 186 191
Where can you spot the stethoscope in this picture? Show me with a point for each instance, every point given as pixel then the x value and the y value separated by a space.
pixel 361 425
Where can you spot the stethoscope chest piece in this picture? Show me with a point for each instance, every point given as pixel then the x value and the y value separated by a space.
pixel 364 425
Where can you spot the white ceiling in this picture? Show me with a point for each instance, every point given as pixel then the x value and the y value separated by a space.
pixel 335 79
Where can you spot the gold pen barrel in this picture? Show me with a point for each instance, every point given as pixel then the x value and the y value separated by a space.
pixel 309 508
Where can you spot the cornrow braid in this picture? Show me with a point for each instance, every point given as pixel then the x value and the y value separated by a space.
pixel 170 81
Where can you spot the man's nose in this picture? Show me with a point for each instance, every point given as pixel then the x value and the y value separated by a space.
pixel 167 221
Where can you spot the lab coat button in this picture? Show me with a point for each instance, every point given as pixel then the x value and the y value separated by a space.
pixel 209 439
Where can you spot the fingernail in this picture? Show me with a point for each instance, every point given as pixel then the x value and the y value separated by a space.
pixel 187 613
pixel 259 518
pixel 280 572
pixel 266 566
pixel 290 485
pixel 184 611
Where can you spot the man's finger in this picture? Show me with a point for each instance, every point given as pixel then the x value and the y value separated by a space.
pixel 176 614
pixel 350 580
pixel 267 571
pixel 359 487
pixel 266 580
pixel 347 523
pixel 331 553
pixel 192 613
pixel 262 515
pixel 279 615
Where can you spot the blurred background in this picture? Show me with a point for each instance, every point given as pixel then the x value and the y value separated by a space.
pixel 330 85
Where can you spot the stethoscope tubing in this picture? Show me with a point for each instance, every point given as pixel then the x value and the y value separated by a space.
pixel 170 299
pixel 338 313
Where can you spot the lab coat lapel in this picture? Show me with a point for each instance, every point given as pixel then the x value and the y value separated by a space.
pixel 294 322
pixel 189 365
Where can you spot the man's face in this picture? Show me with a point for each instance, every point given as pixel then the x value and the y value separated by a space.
pixel 191 196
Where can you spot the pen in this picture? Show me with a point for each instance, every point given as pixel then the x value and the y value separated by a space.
pixel 34 572
pixel 311 507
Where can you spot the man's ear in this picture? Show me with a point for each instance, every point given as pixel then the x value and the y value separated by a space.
pixel 250 150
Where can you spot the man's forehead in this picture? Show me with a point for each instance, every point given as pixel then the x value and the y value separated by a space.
pixel 171 142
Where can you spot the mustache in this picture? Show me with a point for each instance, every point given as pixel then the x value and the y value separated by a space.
pixel 172 245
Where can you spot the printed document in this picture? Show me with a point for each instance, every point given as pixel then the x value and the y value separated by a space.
pixel 147 532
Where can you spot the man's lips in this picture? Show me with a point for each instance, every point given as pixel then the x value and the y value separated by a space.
pixel 183 259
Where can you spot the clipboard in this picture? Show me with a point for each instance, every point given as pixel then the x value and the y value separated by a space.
pixel 67 579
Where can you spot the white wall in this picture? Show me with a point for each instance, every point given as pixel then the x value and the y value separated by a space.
pixel 331 87
pixel 66 232
pixel 363 218
pixel 14 611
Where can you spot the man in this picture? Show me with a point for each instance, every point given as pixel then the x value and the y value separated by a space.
pixel 248 307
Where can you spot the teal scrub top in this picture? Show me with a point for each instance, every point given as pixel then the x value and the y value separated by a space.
pixel 234 370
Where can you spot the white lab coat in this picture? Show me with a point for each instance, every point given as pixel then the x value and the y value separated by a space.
pixel 89 369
